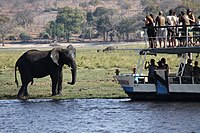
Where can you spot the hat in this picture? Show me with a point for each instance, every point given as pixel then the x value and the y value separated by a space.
pixel 160 13
pixel 189 10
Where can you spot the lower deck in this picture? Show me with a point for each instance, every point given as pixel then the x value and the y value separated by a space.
pixel 175 89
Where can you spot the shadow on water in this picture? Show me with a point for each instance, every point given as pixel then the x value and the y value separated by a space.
pixel 97 115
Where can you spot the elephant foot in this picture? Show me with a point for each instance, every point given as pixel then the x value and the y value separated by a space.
pixel 53 94
pixel 26 95
pixel 59 93
pixel 22 98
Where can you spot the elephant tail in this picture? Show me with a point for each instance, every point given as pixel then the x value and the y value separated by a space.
pixel 31 82
pixel 16 81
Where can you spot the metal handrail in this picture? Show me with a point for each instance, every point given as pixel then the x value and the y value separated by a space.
pixel 178 28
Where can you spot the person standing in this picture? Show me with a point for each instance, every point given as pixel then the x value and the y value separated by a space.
pixel 160 21
pixel 198 22
pixel 171 21
pixel 151 67
pixel 165 66
pixel 149 23
pixel 192 22
pixel 191 17
pixel 185 21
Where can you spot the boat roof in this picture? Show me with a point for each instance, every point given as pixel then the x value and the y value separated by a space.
pixel 178 50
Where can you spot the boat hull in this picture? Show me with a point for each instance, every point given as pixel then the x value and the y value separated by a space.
pixel 153 96
pixel 151 91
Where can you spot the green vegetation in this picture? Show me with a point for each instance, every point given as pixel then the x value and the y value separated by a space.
pixel 68 22
pixel 94 75
pixel 83 19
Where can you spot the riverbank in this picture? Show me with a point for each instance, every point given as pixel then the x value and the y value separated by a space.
pixel 75 44
pixel 95 71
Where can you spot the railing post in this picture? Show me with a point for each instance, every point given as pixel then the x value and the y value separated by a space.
pixel 187 40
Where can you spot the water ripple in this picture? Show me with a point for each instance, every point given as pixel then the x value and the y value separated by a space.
pixel 97 115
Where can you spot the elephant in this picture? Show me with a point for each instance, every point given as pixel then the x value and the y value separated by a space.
pixel 38 64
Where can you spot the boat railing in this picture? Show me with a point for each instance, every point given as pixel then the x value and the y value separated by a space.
pixel 181 34
pixel 171 80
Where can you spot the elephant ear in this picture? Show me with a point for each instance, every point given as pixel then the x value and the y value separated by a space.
pixel 55 55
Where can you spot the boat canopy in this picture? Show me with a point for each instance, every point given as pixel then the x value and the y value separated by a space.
pixel 179 50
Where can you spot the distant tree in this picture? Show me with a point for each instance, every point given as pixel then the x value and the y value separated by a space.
pixel 124 4
pixel 102 11
pixel 24 18
pixel 89 25
pixel 55 30
pixel 5 27
pixel 193 4
pixel 94 2
pixel 71 19
pixel 150 6
pixel 125 27
pixel 84 5
pixel 103 21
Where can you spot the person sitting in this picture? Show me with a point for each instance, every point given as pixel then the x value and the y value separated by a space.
pixel 151 67
pixel 196 71
pixel 188 68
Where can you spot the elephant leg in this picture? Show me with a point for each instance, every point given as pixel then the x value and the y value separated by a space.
pixel 54 80
pixel 23 91
pixel 26 78
pixel 20 93
pixel 60 79
pixel 26 91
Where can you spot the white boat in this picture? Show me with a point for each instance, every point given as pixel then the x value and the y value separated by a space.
pixel 168 88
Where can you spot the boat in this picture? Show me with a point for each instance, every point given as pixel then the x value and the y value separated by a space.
pixel 166 87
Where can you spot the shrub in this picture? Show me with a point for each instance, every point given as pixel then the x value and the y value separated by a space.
pixel 25 37
pixel 44 35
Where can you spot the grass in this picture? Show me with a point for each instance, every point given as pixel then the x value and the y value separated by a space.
pixel 94 74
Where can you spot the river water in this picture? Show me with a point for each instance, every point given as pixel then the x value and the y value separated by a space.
pixel 98 116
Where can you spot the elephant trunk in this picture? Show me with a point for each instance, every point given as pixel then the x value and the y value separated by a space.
pixel 73 70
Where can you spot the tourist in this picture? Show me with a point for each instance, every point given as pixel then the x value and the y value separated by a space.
pixel 184 20
pixel 196 69
pixel 165 66
pixel 161 34
pixel 191 17
pixel 188 68
pixel 149 23
pixel 151 67
pixel 192 22
pixel 198 22
pixel 160 65
pixel 171 21
pixel 196 72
